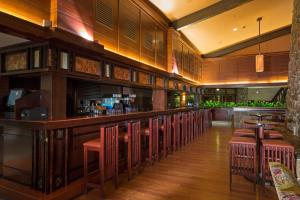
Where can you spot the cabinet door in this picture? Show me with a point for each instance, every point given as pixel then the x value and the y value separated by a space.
pixel 161 48
pixel 129 27
pixel 106 23
pixel 148 28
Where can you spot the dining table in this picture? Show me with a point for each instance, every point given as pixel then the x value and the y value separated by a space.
pixel 260 116
pixel 259 126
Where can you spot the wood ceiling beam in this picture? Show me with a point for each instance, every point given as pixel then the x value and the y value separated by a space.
pixel 250 42
pixel 208 12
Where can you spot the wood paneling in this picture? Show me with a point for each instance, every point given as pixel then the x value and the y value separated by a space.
pixel 184 56
pixel 144 78
pixel 228 70
pixel 210 72
pixel 121 73
pixel 56 85
pixel 177 54
pixel 107 35
pixel 87 66
pixel 147 39
pixel 31 10
pixel 159 82
pixel 161 48
pixel 16 61
pixel 241 69
pixel 129 35
pixel 171 84
pixel 76 17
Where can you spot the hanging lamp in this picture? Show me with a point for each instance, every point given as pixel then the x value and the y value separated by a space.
pixel 260 61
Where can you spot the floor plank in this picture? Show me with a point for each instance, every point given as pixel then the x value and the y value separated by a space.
pixel 197 171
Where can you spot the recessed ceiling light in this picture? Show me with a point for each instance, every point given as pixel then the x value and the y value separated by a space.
pixel 235 29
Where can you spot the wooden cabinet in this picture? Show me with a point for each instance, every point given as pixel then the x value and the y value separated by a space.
pixel 183 59
pixel 148 39
pixel 161 48
pixel 129 29
pixel 106 23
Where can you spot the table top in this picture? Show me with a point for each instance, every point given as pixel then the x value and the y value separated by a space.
pixel 264 122
pixel 260 114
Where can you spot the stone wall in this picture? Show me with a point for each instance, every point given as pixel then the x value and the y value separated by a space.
pixel 293 94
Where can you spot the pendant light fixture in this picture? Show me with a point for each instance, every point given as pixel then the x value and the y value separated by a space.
pixel 260 57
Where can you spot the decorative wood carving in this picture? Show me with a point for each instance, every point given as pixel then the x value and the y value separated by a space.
pixel 159 82
pixel 179 86
pixel 16 61
pixel 171 84
pixel 87 66
pixel 121 73
pixel 144 78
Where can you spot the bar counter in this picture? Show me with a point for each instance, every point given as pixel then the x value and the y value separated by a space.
pixel 47 156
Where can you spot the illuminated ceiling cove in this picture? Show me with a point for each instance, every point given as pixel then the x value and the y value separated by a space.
pixel 230 27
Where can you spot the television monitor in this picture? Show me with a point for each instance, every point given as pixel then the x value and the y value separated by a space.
pixel 14 94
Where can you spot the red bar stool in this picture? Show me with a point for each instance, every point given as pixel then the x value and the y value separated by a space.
pixel 184 128
pixel 242 158
pixel 166 129
pixel 107 148
pixel 201 122
pixel 134 147
pixel 197 125
pixel 191 127
pixel 276 151
pixel 176 131
pixel 153 137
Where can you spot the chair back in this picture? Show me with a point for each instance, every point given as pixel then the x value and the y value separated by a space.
pixel 109 150
pixel 134 143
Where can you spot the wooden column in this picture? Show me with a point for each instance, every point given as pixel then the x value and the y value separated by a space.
pixel 56 84
pixel 159 99
pixel 4 90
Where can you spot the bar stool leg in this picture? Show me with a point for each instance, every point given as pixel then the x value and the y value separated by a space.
pixel 85 168
pixel 116 161
pixel 129 153
pixel 230 164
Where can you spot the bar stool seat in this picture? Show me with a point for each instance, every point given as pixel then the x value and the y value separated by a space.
pixel 93 144
pixel 272 134
pixel 244 132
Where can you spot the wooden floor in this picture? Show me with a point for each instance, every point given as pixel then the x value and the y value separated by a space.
pixel 199 171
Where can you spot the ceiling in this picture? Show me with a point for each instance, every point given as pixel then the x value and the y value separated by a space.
pixel 217 32
pixel 7 40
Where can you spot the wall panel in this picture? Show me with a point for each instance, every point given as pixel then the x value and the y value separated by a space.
pixel 76 17
pixel 129 29
pixel 106 23
pixel 241 70
pixel 31 10
pixel 161 48
pixel 147 39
